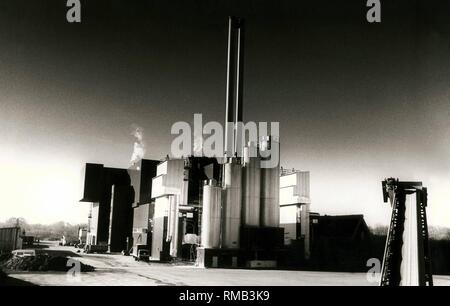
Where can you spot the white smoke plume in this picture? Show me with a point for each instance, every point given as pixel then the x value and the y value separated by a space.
pixel 198 145
pixel 139 146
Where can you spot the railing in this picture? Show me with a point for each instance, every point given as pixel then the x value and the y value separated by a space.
pixel 284 171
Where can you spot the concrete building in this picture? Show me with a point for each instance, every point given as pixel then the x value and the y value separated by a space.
pixel 110 193
pixel 176 192
pixel 340 243
pixel 169 192
pixel 132 206
pixel 295 204
pixel 141 175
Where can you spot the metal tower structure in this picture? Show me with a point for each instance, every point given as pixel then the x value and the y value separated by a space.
pixel 407 254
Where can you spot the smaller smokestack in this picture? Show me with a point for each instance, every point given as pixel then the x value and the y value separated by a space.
pixel 239 87
pixel 240 70
pixel 229 103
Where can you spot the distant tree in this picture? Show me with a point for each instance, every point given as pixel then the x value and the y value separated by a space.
pixel 434 232
pixel 379 230
pixel 16 221
pixel 46 231
pixel 439 233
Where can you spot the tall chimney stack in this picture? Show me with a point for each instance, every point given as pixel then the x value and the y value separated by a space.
pixel 234 93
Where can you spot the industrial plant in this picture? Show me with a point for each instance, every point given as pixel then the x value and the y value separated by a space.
pixel 218 212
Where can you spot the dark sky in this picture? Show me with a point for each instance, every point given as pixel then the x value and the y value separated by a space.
pixel 356 102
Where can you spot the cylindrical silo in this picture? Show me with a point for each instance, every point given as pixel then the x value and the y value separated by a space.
pixel 211 214
pixel 270 187
pixel 232 205
pixel 270 208
pixel 251 188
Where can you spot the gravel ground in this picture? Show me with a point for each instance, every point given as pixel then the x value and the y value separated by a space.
pixel 123 270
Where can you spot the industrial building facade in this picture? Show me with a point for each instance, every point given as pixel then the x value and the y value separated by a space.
pixel 110 219
pixel 175 206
